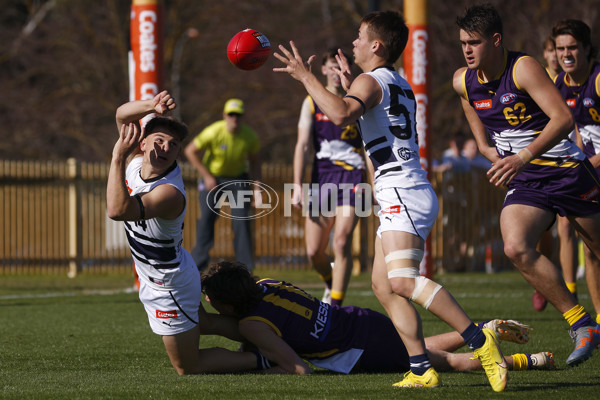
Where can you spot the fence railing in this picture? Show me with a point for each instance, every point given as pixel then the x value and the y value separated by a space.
pixel 53 220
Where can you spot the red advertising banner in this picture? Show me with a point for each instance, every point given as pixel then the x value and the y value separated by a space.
pixel 416 66
pixel 146 72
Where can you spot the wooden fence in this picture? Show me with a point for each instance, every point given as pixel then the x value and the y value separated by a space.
pixel 53 220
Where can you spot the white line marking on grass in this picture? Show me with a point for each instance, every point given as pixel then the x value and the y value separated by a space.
pixel 67 294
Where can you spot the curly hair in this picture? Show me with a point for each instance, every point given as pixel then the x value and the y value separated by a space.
pixel 230 282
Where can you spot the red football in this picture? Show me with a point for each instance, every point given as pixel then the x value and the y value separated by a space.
pixel 248 49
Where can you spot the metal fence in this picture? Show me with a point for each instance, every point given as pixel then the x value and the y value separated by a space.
pixel 53 220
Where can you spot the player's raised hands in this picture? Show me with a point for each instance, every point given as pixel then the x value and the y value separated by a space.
pixel 163 103
pixel 295 66
pixel 130 136
pixel 343 70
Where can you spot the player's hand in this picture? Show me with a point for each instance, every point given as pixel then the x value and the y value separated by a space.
pixel 344 70
pixel 129 140
pixel 297 198
pixel 163 103
pixel 504 170
pixel 295 66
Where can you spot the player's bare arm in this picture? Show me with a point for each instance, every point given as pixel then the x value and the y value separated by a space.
pixel 118 201
pixel 535 81
pixel 479 131
pixel 163 201
pixel 532 79
pixel 133 111
pixel 341 111
pixel 274 348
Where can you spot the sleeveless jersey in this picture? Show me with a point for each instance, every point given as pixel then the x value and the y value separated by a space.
pixel 389 133
pixel 584 102
pixel 335 148
pixel 512 118
pixel 315 330
pixel 155 243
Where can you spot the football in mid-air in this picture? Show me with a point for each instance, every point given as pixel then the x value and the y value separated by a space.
pixel 248 49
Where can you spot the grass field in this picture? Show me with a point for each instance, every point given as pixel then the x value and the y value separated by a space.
pixel 88 338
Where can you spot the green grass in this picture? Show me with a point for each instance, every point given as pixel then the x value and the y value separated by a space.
pixel 87 338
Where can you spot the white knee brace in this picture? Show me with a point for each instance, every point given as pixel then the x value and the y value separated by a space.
pixel 405 264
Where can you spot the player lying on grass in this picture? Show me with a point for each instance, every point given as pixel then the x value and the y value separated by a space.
pixel 289 325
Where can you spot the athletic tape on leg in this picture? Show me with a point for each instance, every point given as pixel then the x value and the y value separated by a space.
pixel 425 291
pixel 404 263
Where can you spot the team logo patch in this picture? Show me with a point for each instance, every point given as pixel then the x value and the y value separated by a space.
pixel 483 104
pixel 392 210
pixel 587 102
pixel 166 314
pixel 508 98
pixel 571 102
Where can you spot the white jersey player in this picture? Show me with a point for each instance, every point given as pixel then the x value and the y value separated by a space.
pixel 149 196
pixel 384 106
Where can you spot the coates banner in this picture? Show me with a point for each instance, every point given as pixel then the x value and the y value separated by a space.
pixel 416 67
pixel 146 55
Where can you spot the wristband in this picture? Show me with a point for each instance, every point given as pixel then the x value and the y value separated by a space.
pixel 525 155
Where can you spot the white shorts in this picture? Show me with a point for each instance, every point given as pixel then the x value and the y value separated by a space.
pixel 408 210
pixel 172 311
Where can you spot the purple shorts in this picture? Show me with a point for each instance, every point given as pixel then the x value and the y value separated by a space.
pixel 561 190
pixel 335 188
pixel 384 351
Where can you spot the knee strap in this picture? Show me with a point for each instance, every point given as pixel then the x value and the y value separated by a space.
pixel 425 291
pixel 404 263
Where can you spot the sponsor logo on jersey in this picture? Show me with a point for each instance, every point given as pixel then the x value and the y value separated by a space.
pixel 587 102
pixel 158 282
pixel 592 194
pixel 166 314
pixel 321 320
pixel 321 117
pixel 392 210
pixel 483 104
pixel 571 102
pixel 508 98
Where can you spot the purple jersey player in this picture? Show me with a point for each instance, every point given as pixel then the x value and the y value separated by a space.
pixel 508 98
pixel 338 168
pixel 288 326
pixel 579 84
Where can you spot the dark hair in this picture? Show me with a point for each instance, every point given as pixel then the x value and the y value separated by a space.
pixel 482 19
pixel 168 125
pixel 389 27
pixel 579 30
pixel 230 282
pixel 331 53
pixel 549 40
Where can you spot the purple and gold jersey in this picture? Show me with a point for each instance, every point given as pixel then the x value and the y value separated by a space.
pixel 336 149
pixel 584 102
pixel 336 338
pixel 512 118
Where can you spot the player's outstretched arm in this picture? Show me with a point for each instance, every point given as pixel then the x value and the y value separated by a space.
pixel 135 110
pixel 274 348
pixel 341 111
